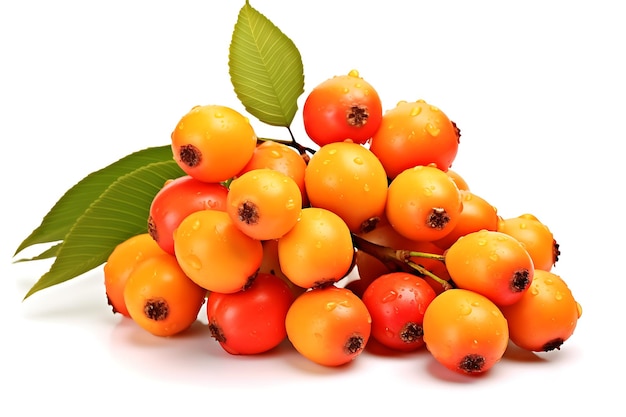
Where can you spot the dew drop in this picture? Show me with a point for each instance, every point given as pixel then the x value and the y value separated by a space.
pixel 494 257
pixel 331 305
pixel 390 296
pixel 194 262
pixel 465 310
pixel 218 115
pixel 534 290
pixel 196 225
pixel 481 242
pixel 416 110
pixel 332 151
pixel 558 296
pixel 290 205
pixel 366 187
pixel 432 130
pixel 318 244
pixel 275 154
pixel 358 161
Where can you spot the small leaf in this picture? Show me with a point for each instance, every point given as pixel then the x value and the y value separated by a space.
pixel 265 68
pixel 77 199
pixel 120 213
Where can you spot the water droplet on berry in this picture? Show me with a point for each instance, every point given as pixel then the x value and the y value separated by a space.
pixel 290 205
pixel 358 161
pixel 432 129
pixel 415 110
pixel 390 296
pixel 465 310
pixel 193 261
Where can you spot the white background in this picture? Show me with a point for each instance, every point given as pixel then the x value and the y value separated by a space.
pixel 537 89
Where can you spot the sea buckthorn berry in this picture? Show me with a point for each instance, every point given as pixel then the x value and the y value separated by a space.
pixel 329 326
pixel 415 133
pixel 120 264
pixel 349 180
pixel 263 203
pixel 281 158
pixel 252 320
pixel 176 200
pixel 161 298
pixel 423 203
pixel 536 237
pixel 465 331
pixel 342 107
pixel 214 253
pixel 477 214
pixel 212 143
pixel 546 315
pixel 397 302
pixel 318 250
pixel 491 263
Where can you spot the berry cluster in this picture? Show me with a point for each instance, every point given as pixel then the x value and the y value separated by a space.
pixel 370 236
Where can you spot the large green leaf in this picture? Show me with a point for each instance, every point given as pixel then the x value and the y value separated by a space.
pixel 118 214
pixel 265 68
pixel 62 216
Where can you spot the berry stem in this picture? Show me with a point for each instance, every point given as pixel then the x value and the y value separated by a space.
pixel 399 259
pixel 302 150
pixel 440 258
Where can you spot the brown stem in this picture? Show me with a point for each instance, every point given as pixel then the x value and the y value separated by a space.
pixel 399 259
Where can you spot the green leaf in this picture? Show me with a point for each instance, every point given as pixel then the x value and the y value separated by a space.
pixel 265 68
pixel 58 221
pixel 51 252
pixel 118 214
